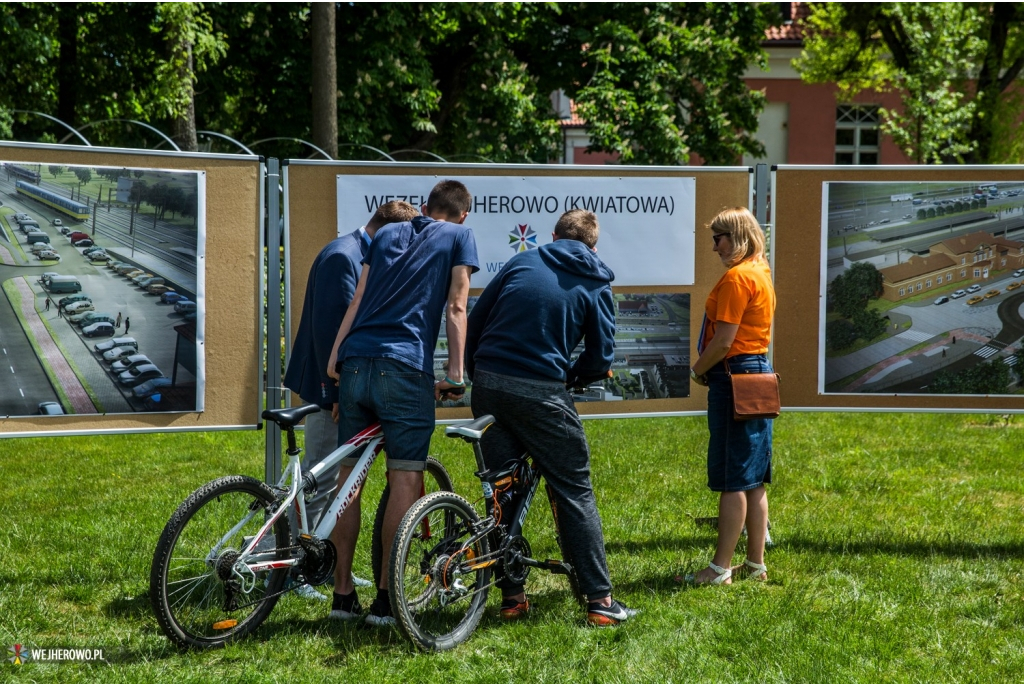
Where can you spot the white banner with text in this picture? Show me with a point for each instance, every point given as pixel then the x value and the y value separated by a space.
pixel 647 224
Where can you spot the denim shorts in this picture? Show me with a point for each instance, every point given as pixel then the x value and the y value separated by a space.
pixel 400 397
pixel 739 452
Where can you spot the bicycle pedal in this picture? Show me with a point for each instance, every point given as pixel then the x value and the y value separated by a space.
pixel 557 567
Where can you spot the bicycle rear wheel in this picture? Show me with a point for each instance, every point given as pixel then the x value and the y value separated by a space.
pixel 197 599
pixel 435 478
pixel 436 596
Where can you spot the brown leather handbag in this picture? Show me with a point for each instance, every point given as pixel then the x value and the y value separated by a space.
pixel 754 395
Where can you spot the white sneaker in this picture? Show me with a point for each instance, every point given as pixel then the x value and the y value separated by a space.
pixel 309 592
pixel 361 582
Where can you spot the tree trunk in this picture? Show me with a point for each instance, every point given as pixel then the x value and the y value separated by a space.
pixel 185 123
pixel 67 64
pixel 325 78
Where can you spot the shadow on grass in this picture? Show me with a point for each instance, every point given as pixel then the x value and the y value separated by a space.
pixel 901 547
pixel 660 544
pixel 129 607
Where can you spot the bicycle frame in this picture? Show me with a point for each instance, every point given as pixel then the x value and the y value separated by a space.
pixel 501 531
pixel 250 561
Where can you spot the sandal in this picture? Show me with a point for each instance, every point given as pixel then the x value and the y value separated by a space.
pixel 723 574
pixel 755 571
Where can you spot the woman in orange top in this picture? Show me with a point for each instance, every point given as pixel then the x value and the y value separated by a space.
pixel 737 331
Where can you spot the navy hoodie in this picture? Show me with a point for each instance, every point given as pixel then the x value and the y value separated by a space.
pixel 531 317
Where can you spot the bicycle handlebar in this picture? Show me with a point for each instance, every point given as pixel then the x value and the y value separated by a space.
pixel 581 383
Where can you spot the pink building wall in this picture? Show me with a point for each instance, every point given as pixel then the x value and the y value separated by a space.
pixel 812 119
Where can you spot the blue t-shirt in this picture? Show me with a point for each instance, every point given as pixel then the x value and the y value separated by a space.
pixel 406 291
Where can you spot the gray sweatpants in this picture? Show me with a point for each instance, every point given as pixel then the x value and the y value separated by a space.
pixel 321 440
pixel 539 417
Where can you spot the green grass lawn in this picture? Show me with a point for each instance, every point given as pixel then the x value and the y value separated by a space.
pixel 899 556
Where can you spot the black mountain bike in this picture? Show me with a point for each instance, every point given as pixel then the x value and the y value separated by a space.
pixel 445 555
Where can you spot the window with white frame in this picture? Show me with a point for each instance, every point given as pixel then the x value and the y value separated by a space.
pixel 977 273
pixel 903 291
pixel 963 273
pixel 857 134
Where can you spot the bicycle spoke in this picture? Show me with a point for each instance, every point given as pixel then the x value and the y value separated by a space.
pixel 202 541
pixel 437 594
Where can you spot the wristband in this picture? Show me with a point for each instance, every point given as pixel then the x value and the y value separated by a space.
pixel 449 381
pixel 694 376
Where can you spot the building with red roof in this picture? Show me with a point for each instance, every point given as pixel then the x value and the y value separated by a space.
pixel 830 131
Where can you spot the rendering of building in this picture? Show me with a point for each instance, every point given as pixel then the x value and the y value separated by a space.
pixel 968 259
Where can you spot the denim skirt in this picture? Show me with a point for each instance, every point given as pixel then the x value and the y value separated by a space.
pixel 739 452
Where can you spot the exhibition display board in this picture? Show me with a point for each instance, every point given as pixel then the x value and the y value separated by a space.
pixel 899 288
pixel 132 290
pixel 653 236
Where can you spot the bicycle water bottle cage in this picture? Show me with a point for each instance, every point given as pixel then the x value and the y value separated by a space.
pixel 472 431
pixel 290 417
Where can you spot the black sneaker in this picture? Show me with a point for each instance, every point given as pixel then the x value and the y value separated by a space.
pixel 611 615
pixel 346 607
pixel 380 613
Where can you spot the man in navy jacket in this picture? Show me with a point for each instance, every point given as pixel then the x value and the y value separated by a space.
pixel 520 337
pixel 329 289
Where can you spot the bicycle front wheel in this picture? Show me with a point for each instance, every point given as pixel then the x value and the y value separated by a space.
pixel 437 592
pixel 435 479
pixel 198 599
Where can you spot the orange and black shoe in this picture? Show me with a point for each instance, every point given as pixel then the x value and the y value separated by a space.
pixel 514 610
pixel 613 615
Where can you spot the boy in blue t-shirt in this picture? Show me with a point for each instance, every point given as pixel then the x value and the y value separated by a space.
pixel 384 351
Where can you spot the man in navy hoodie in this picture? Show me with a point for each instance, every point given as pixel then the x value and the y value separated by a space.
pixel 329 290
pixel 520 336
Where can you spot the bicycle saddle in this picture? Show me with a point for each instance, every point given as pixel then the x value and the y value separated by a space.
pixel 287 418
pixel 473 430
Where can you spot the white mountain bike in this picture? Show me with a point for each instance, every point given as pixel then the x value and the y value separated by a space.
pixel 224 557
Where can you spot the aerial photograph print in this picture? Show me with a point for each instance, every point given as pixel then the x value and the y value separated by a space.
pixel 921 288
pixel 652 352
pixel 101 281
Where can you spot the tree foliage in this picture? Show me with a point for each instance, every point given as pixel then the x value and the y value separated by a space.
pixel 851 290
pixel 656 82
pixel 955 65
pixel 848 295
pixel 987 378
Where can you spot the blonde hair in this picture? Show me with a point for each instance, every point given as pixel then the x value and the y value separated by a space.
pixel 744 233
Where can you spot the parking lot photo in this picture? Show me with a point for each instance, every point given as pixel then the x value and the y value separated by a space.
pixel 652 352
pixel 921 288
pixel 102 289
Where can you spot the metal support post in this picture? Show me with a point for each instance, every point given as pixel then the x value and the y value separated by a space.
pixel 273 447
pixel 761 193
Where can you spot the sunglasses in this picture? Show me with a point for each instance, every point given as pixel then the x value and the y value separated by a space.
pixel 718 236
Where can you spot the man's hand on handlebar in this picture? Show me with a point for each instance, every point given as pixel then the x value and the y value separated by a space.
pixel 443 390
